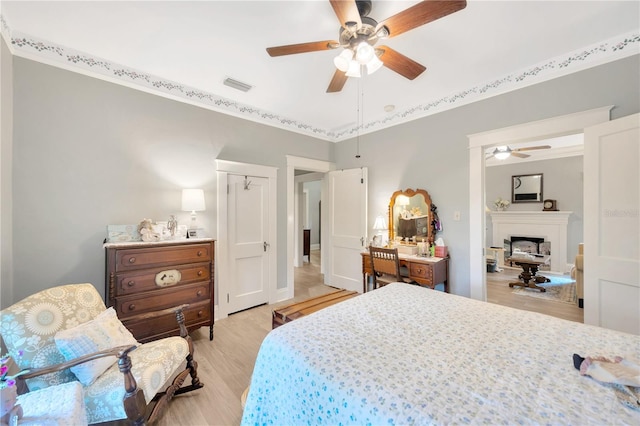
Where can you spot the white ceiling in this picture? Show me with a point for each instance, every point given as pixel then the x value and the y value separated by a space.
pixel 186 49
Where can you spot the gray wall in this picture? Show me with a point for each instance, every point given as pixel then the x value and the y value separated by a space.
pixel 87 153
pixel 6 147
pixel 431 153
pixel 562 181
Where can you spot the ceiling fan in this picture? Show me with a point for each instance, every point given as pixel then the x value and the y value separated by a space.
pixel 359 34
pixel 504 152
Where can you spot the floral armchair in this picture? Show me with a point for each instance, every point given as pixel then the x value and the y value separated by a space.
pixel 66 333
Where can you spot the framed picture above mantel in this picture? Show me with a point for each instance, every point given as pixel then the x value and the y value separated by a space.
pixel 526 188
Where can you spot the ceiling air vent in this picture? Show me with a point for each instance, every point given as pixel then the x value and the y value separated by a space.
pixel 237 84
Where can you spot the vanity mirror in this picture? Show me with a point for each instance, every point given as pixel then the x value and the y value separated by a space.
pixel 410 214
pixel 526 188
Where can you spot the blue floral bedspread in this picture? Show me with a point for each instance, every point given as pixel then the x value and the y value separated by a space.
pixel 406 355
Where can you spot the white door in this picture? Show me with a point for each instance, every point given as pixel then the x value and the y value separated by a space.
pixel 612 224
pixel 249 241
pixel 348 227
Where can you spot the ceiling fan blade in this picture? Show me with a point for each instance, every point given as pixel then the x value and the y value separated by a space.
pixel 399 63
pixel 519 155
pixel 347 11
pixel 292 49
pixel 420 14
pixel 531 148
pixel 337 82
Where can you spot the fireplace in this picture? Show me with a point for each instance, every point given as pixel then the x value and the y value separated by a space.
pixel 531 245
pixel 550 227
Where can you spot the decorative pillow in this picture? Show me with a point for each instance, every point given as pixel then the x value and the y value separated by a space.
pixel 103 332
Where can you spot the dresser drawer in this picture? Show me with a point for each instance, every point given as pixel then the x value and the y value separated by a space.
pixel 418 270
pixel 158 300
pixel 142 281
pixel 130 259
pixel 143 278
pixel 196 315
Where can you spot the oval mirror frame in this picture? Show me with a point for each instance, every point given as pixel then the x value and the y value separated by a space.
pixel 425 204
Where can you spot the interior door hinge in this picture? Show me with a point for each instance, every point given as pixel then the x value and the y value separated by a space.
pixel 227 297
pixel 361 180
pixel 227 189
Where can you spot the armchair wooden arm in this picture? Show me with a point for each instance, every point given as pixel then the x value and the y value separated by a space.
pixel 119 352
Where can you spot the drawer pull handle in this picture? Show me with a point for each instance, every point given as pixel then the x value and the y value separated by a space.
pixel 199 313
pixel 131 283
pixel 132 307
pixel 199 293
pixel 132 260
pixel 199 253
pixel 199 273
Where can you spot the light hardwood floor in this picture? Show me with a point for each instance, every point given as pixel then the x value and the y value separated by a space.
pixel 226 363
pixel 499 292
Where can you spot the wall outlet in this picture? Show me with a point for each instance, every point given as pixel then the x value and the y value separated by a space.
pixel 456 216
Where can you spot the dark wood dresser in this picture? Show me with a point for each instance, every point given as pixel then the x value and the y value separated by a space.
pixel 146 277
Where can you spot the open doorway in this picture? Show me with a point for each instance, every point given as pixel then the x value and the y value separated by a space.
pixel 302 166
pixel 308 229
pixel 478 143
pixel 556 165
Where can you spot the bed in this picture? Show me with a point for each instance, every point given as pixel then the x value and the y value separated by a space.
pixel 404 354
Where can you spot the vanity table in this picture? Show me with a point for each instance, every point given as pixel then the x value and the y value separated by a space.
pixel 413 218
pixel 426 271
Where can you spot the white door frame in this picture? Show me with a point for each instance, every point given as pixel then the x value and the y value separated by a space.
pixel 223 169
pixel 299 209
pixel 311 165
pixel 478 143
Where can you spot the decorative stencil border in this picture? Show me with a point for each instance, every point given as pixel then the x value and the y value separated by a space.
pixel 603 52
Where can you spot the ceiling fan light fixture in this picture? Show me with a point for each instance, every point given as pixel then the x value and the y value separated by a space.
pixel 364 53
pixel 374 65
pixel 502 152
pixel 354 69
pixel 343 60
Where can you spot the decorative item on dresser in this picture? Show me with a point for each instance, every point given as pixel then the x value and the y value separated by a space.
pixel 145 277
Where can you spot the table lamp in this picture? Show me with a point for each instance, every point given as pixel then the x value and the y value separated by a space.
pixel 380 225
pixel 193 201
pixel 402 201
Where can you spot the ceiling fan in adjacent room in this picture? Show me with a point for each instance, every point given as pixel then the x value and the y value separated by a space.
pixel 504 152
pixel 359 34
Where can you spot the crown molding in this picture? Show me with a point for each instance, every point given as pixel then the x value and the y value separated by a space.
pixel 29 47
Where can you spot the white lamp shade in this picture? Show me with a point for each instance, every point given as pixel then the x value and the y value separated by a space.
pixel 343 59
pixel 193 200
pixel 374 65
pixel 354 69
pixel 402 200
pixel 380 224
pixel 364 52
pixel 502 152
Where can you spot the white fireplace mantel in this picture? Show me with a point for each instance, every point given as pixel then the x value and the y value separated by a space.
pixel 552 226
